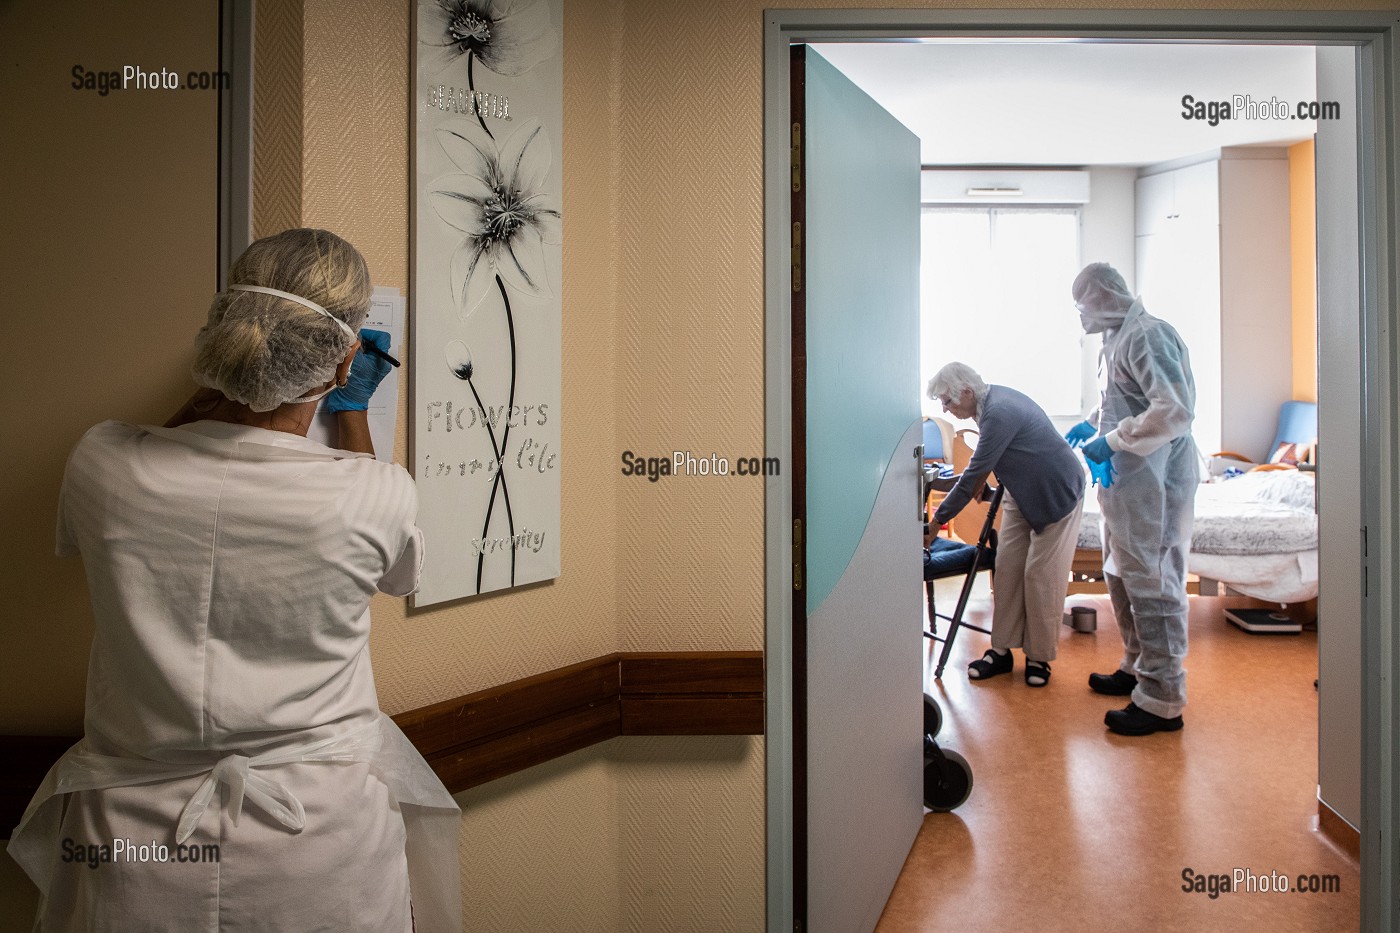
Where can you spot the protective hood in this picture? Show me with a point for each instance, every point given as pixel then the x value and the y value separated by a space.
pixel 1102 297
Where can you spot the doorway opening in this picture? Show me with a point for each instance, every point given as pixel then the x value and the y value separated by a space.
pixel 1342 271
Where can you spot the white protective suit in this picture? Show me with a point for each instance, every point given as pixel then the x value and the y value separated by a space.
pixel 230 700
pixel 1147 405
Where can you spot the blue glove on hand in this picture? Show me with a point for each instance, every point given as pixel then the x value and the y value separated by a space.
pixel 1081 432
pixel 1097 450
pixel 366 372
pixel 1102 473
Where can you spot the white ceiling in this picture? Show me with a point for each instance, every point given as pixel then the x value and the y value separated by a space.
pixel 1075 103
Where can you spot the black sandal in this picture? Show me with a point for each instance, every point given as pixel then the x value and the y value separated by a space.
pixel 1039 670
pixel 990 665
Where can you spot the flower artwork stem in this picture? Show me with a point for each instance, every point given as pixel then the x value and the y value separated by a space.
pixel 497 450
pixel 475 105
pixel 505 439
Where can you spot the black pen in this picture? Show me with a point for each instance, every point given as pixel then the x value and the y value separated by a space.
pixel 371 348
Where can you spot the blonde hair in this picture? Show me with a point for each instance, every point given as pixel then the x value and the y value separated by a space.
pixel 263 350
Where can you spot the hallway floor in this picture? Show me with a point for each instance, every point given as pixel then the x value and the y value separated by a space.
pixel 1071 827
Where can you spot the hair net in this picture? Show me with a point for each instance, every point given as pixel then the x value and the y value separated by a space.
pixel 1102 296
pixel 264 350
pixel 953 378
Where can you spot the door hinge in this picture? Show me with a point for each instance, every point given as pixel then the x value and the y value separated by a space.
pixel 797 256
pixel 796 158
pixel 797 554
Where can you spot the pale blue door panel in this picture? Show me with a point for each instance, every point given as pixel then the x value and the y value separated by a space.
pixel 862 284
pixel 863 570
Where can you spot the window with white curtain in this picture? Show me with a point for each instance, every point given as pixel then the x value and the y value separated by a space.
pixel 995 294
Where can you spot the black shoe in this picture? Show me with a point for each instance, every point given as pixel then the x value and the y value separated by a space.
pixel 989 665
pixel 1037 670
pixel 1133 720
pixel 1117 684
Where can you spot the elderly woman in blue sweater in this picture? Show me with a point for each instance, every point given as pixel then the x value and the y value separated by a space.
pixel 1039 521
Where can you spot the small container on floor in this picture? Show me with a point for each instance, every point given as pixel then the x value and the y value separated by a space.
pixel 1083 619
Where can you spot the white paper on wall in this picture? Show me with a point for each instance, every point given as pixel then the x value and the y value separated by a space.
pixel 386 313
pixel 484 409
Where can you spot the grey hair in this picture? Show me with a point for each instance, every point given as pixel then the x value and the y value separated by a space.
pixel 264 350
pixel 953 378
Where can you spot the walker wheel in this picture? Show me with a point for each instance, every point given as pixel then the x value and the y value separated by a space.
pixel 947 781
pixel 933 716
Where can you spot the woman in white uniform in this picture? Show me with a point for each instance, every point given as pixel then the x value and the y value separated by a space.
pixel 236 772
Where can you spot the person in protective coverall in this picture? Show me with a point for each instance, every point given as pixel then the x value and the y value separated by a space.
pixel 1148 466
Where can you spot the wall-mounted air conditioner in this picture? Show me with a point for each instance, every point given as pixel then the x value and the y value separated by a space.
pixel 1004 186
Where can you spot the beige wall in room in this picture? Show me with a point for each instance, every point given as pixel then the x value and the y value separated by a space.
pixel 278 115
pixel 108 242
pixel 355 181
pixel 540 849
pixel 614 837
pixel 1302 222
pixel 108 246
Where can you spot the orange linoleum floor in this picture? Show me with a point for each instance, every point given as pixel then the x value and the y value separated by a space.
pixel 1071 827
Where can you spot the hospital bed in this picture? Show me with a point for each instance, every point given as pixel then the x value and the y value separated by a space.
pixel 1255 533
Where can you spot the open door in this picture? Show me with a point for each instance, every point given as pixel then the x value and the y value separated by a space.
pixel 857 656
pixel 1341 776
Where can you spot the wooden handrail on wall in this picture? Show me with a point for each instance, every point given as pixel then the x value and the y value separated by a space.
pixel 489 734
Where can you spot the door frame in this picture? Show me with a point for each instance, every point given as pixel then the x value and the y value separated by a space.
pixel 1377 39
pixel 235 134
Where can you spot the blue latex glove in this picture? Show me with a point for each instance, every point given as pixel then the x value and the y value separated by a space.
pixel 1102 473
pixel 1098 451
pixel 366 372
pixel 1081 432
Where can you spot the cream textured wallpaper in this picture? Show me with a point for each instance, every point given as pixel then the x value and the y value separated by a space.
pixel 277 116
pixel 692 834
pixel 108 242
pixel 637 829
pixel 355 182
pixel 691 320
pixel 540 848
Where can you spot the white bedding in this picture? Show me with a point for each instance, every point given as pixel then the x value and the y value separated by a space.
pixel 1277 578
pixel 1257 533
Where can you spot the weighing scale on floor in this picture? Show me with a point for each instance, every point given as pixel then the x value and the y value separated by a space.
pixel 1264 621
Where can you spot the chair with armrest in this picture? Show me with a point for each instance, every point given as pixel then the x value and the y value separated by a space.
pixel 967 525
pixel 1297 425
pixel 1295 441
pixel 938 448
pixel 938 441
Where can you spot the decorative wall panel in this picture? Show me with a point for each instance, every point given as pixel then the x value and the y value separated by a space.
pixel 486 302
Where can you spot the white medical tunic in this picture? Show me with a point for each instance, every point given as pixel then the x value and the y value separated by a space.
pixel 230 700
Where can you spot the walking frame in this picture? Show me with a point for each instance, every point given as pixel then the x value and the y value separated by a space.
pixel 981 556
